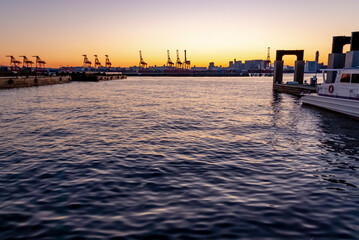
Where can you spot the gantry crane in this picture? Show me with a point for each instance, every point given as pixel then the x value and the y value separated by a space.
pixel 179 64
pixel 26 62
pixel 187 63
pixel 39 63
pixel 108 63
pixel 97 62
pixel 170 64
pixel 87 63
pixel 268 61
pixel 13 62
pixel 143 64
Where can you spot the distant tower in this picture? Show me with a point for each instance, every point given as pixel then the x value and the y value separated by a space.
pixel 143 64
pixel 316 61
pixel 170 64
pixel 97 62
pixel 87 63
pixel 317 56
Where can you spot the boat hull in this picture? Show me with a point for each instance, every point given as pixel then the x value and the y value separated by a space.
pixel 345 106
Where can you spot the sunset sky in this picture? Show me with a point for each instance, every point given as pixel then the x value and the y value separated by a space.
pixel 60 31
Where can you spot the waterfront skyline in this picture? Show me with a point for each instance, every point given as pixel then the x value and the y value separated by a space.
pixel 211 31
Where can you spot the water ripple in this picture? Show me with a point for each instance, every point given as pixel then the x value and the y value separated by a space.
pixel 174 158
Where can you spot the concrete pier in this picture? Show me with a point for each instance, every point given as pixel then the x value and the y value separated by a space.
pixel 299 72
pixel 96 76
pixel 352 59
pixel 31 81
pixel 337 58
pixel 297 89
pixel 278 72
pixel 299 66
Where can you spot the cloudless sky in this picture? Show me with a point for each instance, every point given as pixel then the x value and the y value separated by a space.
pixel 60 31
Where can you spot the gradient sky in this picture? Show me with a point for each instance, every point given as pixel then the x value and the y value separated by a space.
pixel 60 31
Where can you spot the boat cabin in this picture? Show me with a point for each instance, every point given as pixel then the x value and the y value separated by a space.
pixel 345 84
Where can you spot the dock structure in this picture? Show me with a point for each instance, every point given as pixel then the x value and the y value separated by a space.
pixel 96 76
pixel 299 88
pixel 31 81
pixel 299 66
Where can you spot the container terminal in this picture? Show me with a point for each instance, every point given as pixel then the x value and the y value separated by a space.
pixel 184 68
pixel 16 76
pixel 95 74
pixel 27 76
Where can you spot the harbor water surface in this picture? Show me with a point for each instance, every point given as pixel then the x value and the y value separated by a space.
pixel 175 158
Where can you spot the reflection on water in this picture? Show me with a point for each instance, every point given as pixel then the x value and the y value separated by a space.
pixel 174 158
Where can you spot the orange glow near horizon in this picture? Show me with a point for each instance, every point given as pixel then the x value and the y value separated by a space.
pixel 60 32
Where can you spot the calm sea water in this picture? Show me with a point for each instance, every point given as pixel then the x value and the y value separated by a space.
pixel 175 158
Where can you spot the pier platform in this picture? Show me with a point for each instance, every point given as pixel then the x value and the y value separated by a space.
pixel 31 81
pixel 297 89
pixel 96 76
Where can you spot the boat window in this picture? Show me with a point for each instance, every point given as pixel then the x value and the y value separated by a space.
pixel 355 78
pixel 330 77
pixel 345 78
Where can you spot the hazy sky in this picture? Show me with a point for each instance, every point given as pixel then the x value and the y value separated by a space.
pixel 60 31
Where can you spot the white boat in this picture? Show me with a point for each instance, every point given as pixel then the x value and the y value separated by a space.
pixel 340 95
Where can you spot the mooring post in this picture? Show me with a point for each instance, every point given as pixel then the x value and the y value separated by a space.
pixel 337 58
pixel 278 72
pixel 299 71
pixel 352 57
